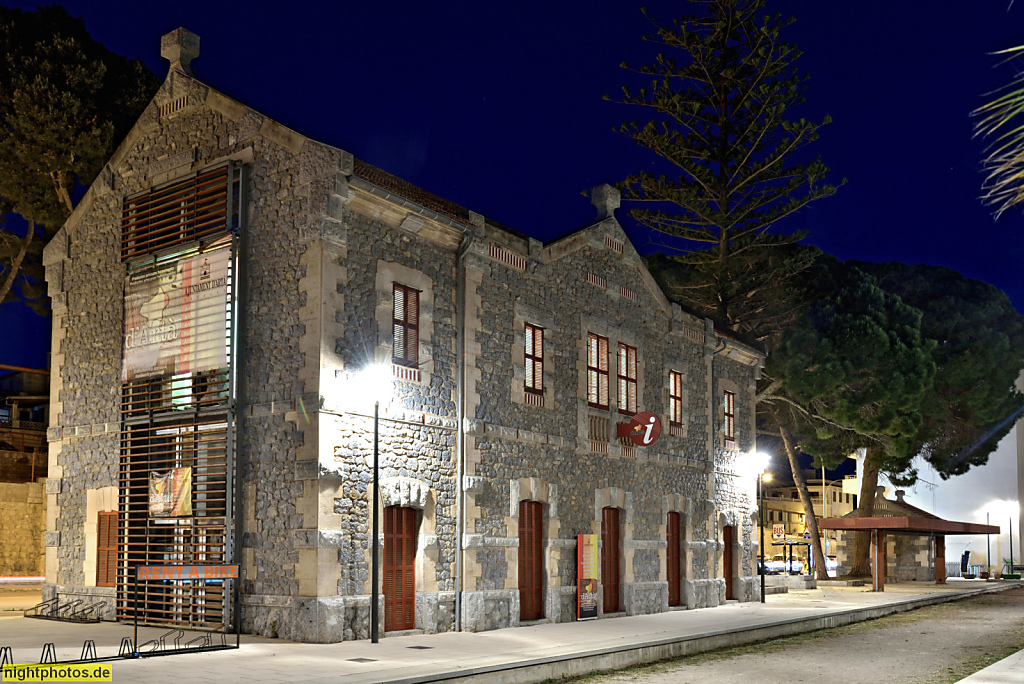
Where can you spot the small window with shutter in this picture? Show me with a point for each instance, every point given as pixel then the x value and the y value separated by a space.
pixel 675 398
pixel 106 552
pixel 597 371
pixel 534 359
pixel 406 327
pixel 627 376
pixel 729 414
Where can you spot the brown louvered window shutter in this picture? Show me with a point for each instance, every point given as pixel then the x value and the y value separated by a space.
pixel 729 415
pixel 675 398
pixel 534 359
pixel 106 550
pixel 672 564
pixel 610 558
pixel 531 560
pixel 597 371
pixel 399 568
pixel 627 376
pixel 406 327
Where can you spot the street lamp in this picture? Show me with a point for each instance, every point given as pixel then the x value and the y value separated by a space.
pixel 761 479
pixel 374 383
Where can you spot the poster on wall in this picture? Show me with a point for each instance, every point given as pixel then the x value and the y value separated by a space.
pixel 586 576
pixel 175 318
pixel 170 493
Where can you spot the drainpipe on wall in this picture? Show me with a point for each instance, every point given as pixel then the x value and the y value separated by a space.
pixel 460 441
pixel 241 386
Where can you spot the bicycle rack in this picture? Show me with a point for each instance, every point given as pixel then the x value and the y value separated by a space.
pixel 88 650
pixel 49 654
pixel 6 656
pixel 127 649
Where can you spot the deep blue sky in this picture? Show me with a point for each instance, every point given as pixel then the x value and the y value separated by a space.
pixel 498 106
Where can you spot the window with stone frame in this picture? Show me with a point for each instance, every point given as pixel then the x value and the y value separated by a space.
pixel 675 399
pixel 729 418
pixel 534 359
pixel 627 379
pixel 406 326
pixel 597 371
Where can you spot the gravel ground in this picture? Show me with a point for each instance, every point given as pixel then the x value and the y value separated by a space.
pixel 934 645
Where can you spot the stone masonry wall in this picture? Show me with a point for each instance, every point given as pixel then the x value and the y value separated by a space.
pixel 22 522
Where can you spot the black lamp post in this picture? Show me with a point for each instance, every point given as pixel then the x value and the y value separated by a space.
pixel 374 610
pixel 760 496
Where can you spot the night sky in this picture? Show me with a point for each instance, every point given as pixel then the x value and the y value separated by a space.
pixel 498 106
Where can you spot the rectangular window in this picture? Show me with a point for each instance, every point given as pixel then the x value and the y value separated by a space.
pixel 627 379
pixel 675 398
pixel 534 359
pixel 729 424
pixel 106 550
pixel 597 371
pixel 406 327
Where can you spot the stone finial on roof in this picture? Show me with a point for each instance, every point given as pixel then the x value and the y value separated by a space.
pixel 606 198
pixel 180 47
pixel 900 493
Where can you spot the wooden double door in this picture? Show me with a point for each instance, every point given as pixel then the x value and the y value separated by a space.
pixel 399 568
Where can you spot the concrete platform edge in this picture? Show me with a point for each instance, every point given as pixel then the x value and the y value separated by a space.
pixel 588 662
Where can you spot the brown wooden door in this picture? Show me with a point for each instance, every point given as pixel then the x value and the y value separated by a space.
pixel 672 559
pixel 399 568
pixel 610 558
pixel 727 540
pixel 531 560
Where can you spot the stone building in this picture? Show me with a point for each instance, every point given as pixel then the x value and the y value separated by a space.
pixel 218 295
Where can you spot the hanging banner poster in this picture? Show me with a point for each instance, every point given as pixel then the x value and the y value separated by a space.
pixel 170 493
pixel 175 317
pixel 586 576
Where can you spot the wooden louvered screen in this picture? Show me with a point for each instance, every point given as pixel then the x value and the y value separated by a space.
pixel 672 564
pixel 610 558
pixel 531 560
pixel 182 212
pixel 199 442
pixel 727 562
pixel 406 327
pixel 534 357
pixel 399 568
pixel 106 550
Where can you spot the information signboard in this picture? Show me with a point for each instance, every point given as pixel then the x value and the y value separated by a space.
pixel 587 560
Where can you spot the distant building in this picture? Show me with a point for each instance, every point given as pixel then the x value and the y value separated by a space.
pixel 217 295
pixel 782 506
pixel 24 403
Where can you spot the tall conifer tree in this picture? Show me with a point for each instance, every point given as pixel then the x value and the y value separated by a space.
pixel 719 103
pixel 65 102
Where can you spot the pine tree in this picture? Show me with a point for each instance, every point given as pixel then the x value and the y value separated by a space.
pixel 719 98
pixel 65 101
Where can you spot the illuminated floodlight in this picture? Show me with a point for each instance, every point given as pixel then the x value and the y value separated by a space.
pixel 755 462
pixel 373 384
